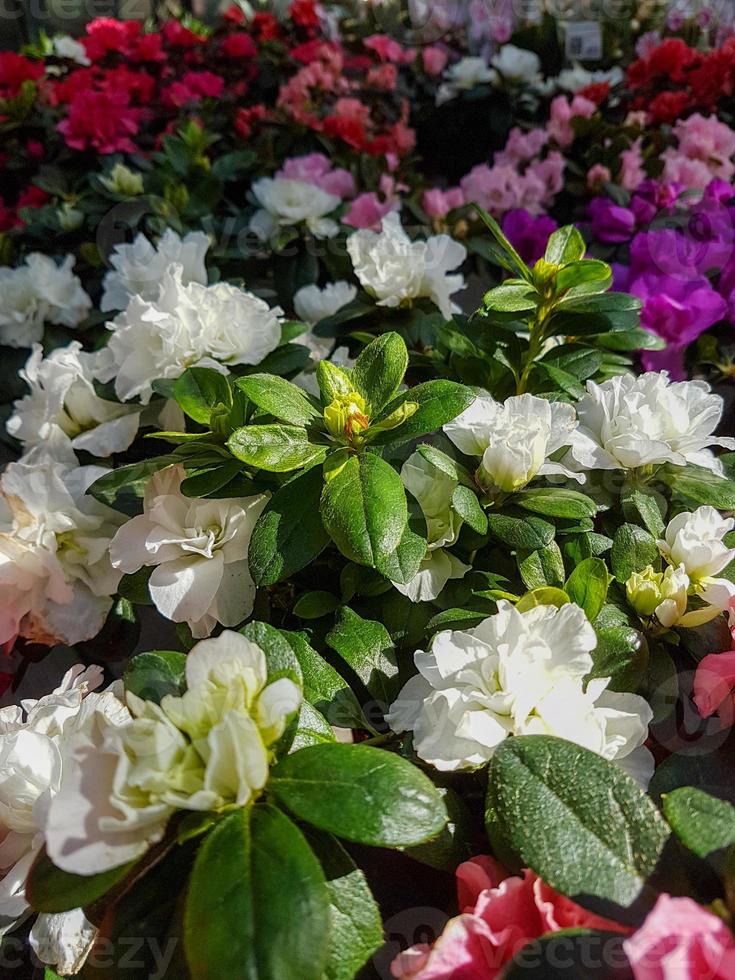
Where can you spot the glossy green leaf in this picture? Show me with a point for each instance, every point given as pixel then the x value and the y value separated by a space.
pixel 467 506
pixel 622 655
pixel 324 687
pixel 511 297
pixel 527 533
pixel 360 793
pixel 199 390
pixel 276 448
pixel 153 675
pixel 289 532
pixel 379 370
pixel 633 550
pixel 703 823
pixel 439 402
pixel 279 398
pixel 49 889
pixel 565 245
pixel 556 502
pixel 366 646
pixel 577 820
pixel 587 586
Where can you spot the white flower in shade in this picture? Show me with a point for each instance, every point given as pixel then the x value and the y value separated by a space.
pixel 314 303
pixel 518 674
pixel 577 77
pixel 33 752
pixel 56 579
pixel 138 269
pixel 433 490
pixel 397 271
pixel 199 551
pixel 285 203
pixel 37 292
pixel 185 326
pixel 695 542
pixel 463 76
pixel 206 750
pixel 514 440
pixel 66 47
pixel 63 397
pixel 517 65
pixel 627 422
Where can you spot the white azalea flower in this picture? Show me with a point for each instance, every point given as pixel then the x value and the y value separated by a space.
pixel 199 549
pixel 466 74
pixel 207 750
pixel 514 439
pixel 34 740
pixel 285 202
pixel 63 397
pixel 517 674
pixel 397 271
pixel 56 579
pixel 139 269
pixel 66 47
pixel 517 65
pixel 577 77
pixel 433 490
pixel 694 541
pixel 314 303
pixel 37 292
pixel 627 422
pixel 186 326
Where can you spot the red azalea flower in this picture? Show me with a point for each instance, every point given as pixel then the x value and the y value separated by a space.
pixel 245 120
pixel 313 50
pixel 192 87
pixel 80 80
pixel 304 13
pixel 351 129
pixel 668 106
pixel 139 85
pixel 14 70
pixel 32 197
pixel 106 34
pixel 35 149
pixel 102 121
pixel 670 60
pixel 234 15
pixel 239 45
pixel 266 27
pixel 148 47
pixel 178 36
pixel 597 92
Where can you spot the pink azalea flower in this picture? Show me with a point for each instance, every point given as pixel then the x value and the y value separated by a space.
pixel 632 173
pixel 438 203
pixel 316 169
pixel 561 113
pixel 680 940
pixel 499 914
pixel 714 683
pixel 435 59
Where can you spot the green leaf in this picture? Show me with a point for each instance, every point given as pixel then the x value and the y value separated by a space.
pixel 556 502
pixel 511 297
pixel 257 905
pixel 467 506
pixel 199 390
pixel 709 765
pixel 403 564
pixel 210 479
pixel 130 480
pixel 703 823
pixel 565 245
pixel 279 652
pixel 633 550
pixel 279 398
pixel 563 380
pixel 360 793
pixel 153 675
pixel 584 272
pixel 134 587
pixel 641 503
pixel 368 649
pixel 276 448
pixel 49 889
pixel 510 259
pixel 622 655
pixel 571 954
pixel 698 486
pixel 333 381
pixel 289 533
pixel 312 728
pixel 364 509
pixel 542 567
pixel 587 586
pixel 525 534
pixel 577 820
pixel 324 687
pixel 356 930
pixel 439 402
pixel 379 370
pixel 314 605
pixel 445 464
pixel 545 596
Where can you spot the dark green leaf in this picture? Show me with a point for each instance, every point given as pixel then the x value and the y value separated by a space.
pixel 289 533
pixel 633 550
pixel 467 506
pixel 364 509
pixel 363 794
pixel 324 687
pixel 526 534
pixel 556 502
pixel 577 820
pixel 379 370
pixel 703 823
pixel 257 906
pixel 49 889
pixel 368 649
pixel 199 390
pixel 153 675
pixel 314 605
pixel 622 655
pixel 439 402
pixel 403 564
pixel 572 954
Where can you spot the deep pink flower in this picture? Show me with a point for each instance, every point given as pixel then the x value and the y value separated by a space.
pixel 680 940
pixel 499 914
pixel 192 87
pixel 239 45
pixel 435 59
pixel 16 69
pixel 107 34
pixel 101 121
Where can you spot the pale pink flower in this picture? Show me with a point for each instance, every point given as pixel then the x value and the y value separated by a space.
pixel 561 114
pixel 680 940
pixel 632 173
pixel 522 147
pixel 438 203
pixel 316 169
pixel 598 174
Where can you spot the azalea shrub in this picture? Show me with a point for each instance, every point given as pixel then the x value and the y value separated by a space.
pixel 380 520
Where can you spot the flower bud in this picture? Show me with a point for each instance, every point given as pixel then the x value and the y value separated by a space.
pixel 346 417
pixel 122 181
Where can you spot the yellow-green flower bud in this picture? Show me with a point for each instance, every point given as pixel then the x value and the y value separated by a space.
pixel 346 417
pixel 70 218
pixel 122 181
